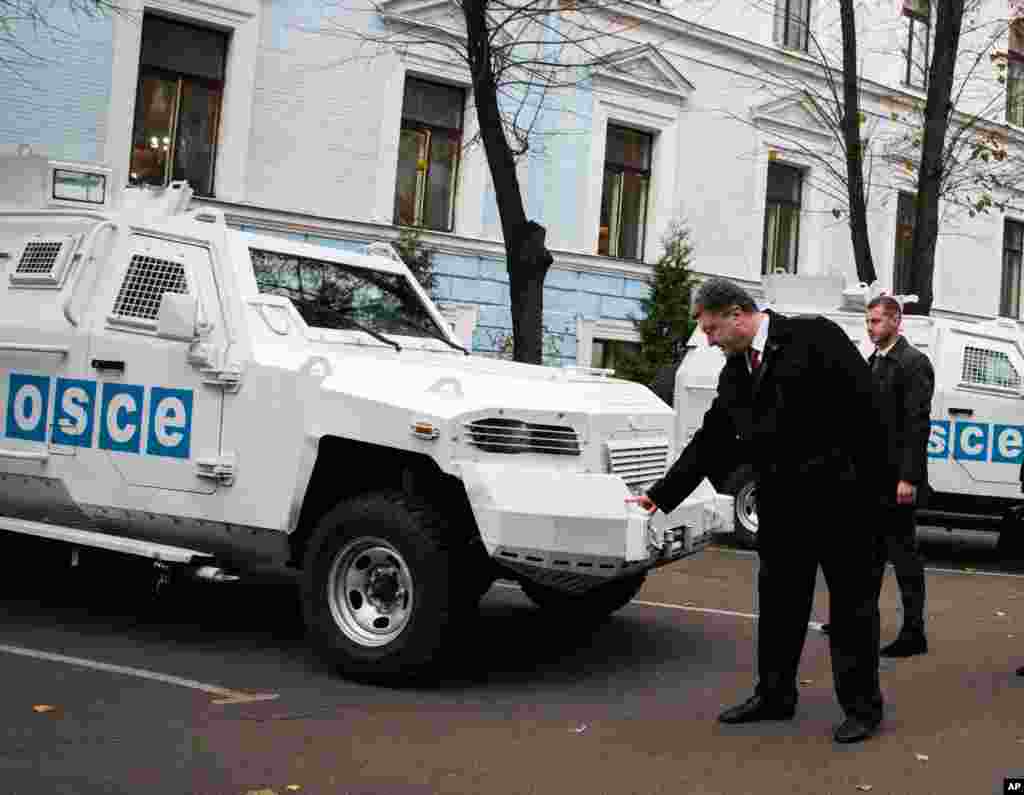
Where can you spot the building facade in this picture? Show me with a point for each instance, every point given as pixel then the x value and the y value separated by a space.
pixel 293 118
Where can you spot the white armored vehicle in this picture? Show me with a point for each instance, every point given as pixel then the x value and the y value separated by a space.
pixel 222 401
pixel 976 445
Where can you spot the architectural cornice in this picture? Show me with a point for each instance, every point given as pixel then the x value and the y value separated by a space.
pixel 296 222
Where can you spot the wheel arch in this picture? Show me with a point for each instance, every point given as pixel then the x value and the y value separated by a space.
pixel 345 468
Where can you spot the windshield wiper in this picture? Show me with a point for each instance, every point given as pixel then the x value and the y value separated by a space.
pixel 437 335
pixel 375 334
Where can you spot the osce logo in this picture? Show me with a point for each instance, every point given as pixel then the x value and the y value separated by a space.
pixel 977 441
pixel 118 412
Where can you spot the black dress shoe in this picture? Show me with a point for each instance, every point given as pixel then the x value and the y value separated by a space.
pixel 757 708
pixel 1020 671
pixel 907 644
pixel 854 730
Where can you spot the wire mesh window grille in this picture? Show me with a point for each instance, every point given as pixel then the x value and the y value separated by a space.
pixel 145 283
pixel 39 257
pixel 989 368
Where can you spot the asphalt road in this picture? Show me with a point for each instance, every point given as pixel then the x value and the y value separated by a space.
pixel 531 707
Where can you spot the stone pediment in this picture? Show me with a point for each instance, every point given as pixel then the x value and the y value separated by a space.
pixel 426 19
pixel 791 116
pixel 644 69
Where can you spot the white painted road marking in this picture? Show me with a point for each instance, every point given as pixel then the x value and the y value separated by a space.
pixel 224 695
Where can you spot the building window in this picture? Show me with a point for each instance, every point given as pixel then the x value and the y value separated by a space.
pixel 902 270
pixel 1015 75
pixel 1013 249
pixel 916 52
pixel 608 354
pixel 429 147
pixel 792 24
pixel 782 219
pixel 177 105
pixel 627 179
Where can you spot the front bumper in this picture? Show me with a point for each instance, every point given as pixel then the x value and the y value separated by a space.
pixel 575 530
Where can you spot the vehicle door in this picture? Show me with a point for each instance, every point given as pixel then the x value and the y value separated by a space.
pixel 977 436
pixel 159 403
pixel 42 357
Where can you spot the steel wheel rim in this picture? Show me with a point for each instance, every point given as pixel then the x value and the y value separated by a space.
pixel 370 592
pixel 746 507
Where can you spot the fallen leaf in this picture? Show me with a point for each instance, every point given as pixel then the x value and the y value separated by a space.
pixel 921 757
pixel 1000 613
pixel 43 708
pixel 1011 636
pixel 261 792
pixel 864 787
pixel 807 681
pixel 293 787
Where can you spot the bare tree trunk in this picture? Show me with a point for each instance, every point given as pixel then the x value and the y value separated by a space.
pixel 854 148
pixel 948 22
pixel 527 258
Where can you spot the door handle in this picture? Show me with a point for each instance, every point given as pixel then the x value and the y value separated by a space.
pixel 962 412
pixel 108 364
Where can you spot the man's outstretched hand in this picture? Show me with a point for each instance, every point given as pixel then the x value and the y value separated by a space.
pixel 644 502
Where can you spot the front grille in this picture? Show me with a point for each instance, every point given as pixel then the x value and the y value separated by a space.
pixel 638 462
pixel 501 435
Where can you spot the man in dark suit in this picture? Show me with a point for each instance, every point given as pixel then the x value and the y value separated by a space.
pixel 795 400
pixel 905 381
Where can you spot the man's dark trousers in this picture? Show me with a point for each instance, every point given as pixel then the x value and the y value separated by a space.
pixel 900 531
pixel 843 539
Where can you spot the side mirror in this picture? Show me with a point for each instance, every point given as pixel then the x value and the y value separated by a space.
pixel 177 318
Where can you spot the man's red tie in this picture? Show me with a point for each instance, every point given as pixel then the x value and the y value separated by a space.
pixel 755 359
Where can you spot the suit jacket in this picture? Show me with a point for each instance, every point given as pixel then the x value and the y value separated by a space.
pixel 809 411
pixel 905 383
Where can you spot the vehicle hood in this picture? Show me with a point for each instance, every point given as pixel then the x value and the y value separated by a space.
pixel 449 386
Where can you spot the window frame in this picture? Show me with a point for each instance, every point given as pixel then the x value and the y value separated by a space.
pixel 902 274
pixel 1015 89
pixel 918 19
pixel 147 70
pixel 454 133
pixel 160 73
pixel 1010 295
pixel 601 329
pixel 621 171
pixel 788 20
pixel 798 205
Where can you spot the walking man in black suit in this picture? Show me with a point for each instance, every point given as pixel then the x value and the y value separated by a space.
pixel 795 400
pixel 905 381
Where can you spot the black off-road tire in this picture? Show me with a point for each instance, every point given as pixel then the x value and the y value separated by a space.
pixel 742 486
pixel 414 530
pixel 590 607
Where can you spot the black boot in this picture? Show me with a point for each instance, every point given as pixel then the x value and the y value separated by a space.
pixel 907 644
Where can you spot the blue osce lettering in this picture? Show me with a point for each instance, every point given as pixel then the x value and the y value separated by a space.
pixel 118 412
pixel 976 441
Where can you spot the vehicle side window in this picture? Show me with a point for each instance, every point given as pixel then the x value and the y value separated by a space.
pixel 157 266
pixel 145 282
pixel 989 368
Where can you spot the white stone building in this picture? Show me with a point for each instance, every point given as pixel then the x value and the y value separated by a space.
pixel 277 116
